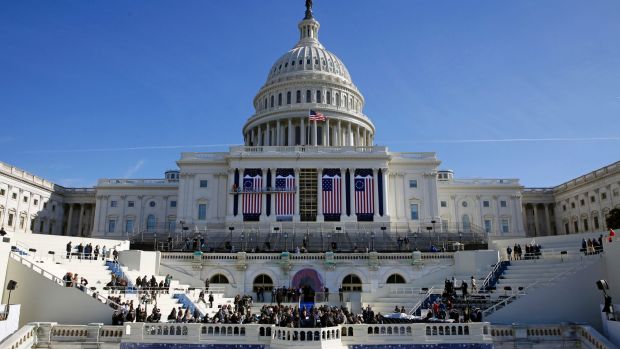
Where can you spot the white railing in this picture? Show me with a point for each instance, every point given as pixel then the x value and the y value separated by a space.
pixel 305 149
pixel 276 256
pixel 539 334
pixel 24 338
pixel 125 181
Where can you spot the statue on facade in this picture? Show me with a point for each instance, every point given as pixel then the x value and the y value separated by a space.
pixel 308 9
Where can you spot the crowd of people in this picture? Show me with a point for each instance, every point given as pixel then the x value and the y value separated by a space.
pixel 89 252
pixel 592 246
pixel 532 250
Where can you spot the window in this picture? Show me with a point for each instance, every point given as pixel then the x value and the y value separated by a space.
pixel 413 183
pixel 25 199
pixel 36 202
pixel 572 205
pixel 487 225
pixel 328 97
pixel 272 101
pixel 288 96
pixel 582 202
pixel 505 226
pixel 351 282
pixel 585 224
pixel 41 226
pixel 2 192
pixel 204 183
pixel 111 225
pixel 414 212
pixel 566 231
pixel 152 203
pixel 603 196
pixel 564 208
pixel 22 220
pixel 53 208
pixel 202 212
pixel 129 226
pixel 576 226
pixel 395 279
pixel 318 96
pixel 444 204
pixel 308 96
pixel 113 203
pixel 503 203
pixel 151 222
pixel 173 203
pixel 298 97
pixel 279 99
pixel 172 225
pixel 130 204
pixel 337 99
pixel 14 196
pixel 10 222
pixel 485 203
pixel 596 223
pixel 218 279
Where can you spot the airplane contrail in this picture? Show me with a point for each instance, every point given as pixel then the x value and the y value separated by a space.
pixel 144 147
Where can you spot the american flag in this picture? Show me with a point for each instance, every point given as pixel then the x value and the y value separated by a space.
pixel 364 194
pixel 316 116
pixel 252 196
pixel 285 202
pixel 331 194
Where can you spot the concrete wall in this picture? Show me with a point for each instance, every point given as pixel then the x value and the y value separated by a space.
pixel 143 261
pixel 575 299
pixel 42 300
pixel 475 262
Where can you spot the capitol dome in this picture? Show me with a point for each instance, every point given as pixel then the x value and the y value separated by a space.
pixel 308 78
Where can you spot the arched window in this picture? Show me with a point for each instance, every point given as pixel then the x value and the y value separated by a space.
pixel 264 281
pixel 151 222
pixel 265 105
pixel 352 282
pixel 318 96
pixel 308 96
pixel 219 279
pixel 288 97
pixel 279 99
pixel 298 99
pixel 395 279
pixel 329 97
pixel 337 99
pixel 272 100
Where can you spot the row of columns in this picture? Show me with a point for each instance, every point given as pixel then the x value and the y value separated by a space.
pixel 327 133
pixel 83 226
pixel 537 224
pixel 319 193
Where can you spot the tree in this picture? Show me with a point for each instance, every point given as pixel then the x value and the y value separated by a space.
pixel 613 219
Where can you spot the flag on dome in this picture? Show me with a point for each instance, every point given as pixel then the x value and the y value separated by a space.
pixel 317 116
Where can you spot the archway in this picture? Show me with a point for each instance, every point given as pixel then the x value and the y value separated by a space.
pixel 352 282
pixel 218 279
pixel 395 279
pixel 307 277
pixel 264 281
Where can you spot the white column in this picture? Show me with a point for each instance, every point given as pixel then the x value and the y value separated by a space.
pixel 547 219
pixel 278 134
pixel 296 210
pixel 375 191
pixel 69 218
pixel 352 190
pixel 315 140
pixel 339 137
pixel 536 225
pixel 343 193
pixel 303 131
pixel 229 198
pixel 319 196
pixel 327 135
pixel 357 136
pixel 268 135
pixel 349 135
pixel 386 188
pixel 291 134
pixel 263 209
pixel 365 143
pixel 80 219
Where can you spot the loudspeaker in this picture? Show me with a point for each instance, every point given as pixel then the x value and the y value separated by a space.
pixel 602 285
pixel 11 285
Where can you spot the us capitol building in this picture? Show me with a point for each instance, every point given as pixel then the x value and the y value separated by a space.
pixel 309 163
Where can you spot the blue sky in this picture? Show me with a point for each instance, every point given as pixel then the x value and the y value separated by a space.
pixel 82 82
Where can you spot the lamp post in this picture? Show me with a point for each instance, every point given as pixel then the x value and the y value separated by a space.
pixel 286 242
pixel 460 240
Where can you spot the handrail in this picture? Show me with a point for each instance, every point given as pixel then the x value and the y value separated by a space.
pixel 510 299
